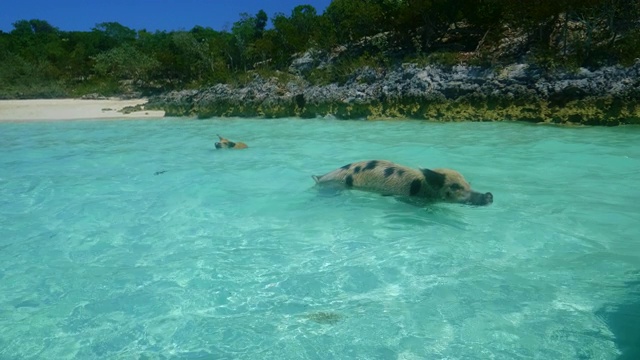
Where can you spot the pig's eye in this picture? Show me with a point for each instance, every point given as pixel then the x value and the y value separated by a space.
pixel 456 187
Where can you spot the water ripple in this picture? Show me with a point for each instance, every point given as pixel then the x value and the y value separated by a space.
pixel 137 239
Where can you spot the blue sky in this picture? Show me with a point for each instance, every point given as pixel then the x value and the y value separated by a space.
pixel 152 15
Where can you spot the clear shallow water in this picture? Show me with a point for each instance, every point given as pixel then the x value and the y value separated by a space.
pixel 235 255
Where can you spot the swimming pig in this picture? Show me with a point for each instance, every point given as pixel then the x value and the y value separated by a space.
pixel 227 144
pixel 387 178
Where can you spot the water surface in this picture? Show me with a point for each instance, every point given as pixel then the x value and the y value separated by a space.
pixel 137 239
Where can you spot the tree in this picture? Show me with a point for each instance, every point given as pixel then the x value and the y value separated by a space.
pixel 295 32
pixel 112 34
pixel 33 27
pixel 125 62
pixel 261 23
pixel 354 19
pixel 245 32
pixel 192 56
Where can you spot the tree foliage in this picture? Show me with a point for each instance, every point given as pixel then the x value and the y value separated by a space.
pixel 126 62
pixel 36 55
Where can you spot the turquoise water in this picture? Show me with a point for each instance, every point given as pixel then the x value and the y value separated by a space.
pixel 137 240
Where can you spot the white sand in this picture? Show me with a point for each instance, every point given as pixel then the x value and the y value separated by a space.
pixel 72 109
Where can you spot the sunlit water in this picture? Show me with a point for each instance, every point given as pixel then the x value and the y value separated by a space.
pixel 137 239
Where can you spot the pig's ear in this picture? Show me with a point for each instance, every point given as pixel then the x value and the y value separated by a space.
pixel 434 179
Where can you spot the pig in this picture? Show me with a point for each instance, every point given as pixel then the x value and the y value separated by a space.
pixel 388 178
pixel 227 144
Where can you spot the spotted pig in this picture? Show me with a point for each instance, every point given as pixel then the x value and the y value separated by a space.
pixel 388 178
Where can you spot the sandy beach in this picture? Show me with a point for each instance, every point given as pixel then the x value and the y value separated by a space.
pixel 73 109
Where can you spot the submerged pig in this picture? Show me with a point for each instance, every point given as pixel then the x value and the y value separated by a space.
pixel 387 178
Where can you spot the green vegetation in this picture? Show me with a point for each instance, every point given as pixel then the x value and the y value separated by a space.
pixel 38 60
pixel 588 111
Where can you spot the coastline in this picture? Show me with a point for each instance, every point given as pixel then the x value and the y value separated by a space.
pixel 520 92
pixel 75 109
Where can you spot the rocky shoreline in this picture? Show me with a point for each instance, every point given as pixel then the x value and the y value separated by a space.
pixel 606 96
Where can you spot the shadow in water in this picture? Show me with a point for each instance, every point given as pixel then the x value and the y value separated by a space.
pixel 623 319
pixel 399 211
